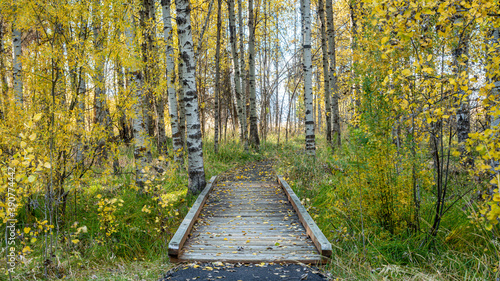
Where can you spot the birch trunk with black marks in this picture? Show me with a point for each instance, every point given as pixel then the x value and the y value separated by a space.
pixel 254 131
pixel 336 137
pixel 243 112
pixel 146 19
pixel 3 76
pixel 124 127
pixel 460 65
pixel 236 65
pixel 217 79
pixel 17 66
pixel 194 143
pixel 307 68
pixel 170 72
pixel 326 72
pixel 141 152
pixel 180 98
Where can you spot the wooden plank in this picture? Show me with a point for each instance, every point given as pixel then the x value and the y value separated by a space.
pixel 319 239
pixel 248 247
pixel 250 258
pixel 182 232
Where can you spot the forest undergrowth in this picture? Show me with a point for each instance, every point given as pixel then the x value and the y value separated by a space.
pixel 358 195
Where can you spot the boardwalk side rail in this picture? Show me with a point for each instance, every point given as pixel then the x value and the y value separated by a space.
pixel 180 236
pixel 320 241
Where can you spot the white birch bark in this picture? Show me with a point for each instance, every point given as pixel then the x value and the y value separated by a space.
pixel 170 71
pixel 138 126
pixel 194 143
pixel 237 75
pixel 3 78
pixel 17 65
pixel 254 131
pixel 326 72
pixel 463 112
pixel 307 67
pixel 217 78
pixel 243 112
pixel 336 137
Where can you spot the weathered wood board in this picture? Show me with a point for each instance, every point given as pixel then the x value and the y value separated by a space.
pixel 249 222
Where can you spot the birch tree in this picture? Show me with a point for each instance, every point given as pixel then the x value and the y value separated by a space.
pixel 236 66
pixel 307 68
pixel 138 126
pixel 254 131
pixel 170 73
pixel 217 79
pixel 17 66
pixel 326 70
pixel 243 112
pixel 194 143
pixel 333 75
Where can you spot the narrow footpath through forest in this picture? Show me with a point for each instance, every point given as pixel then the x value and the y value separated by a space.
pixel 266 232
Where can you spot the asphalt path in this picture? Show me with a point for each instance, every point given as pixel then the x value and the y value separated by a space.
pixel 244 272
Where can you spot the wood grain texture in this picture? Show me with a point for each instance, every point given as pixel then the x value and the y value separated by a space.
pixel 319 239
pixel 249 222
pixel 182 232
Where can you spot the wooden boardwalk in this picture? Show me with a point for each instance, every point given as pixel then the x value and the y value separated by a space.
pixel 251 222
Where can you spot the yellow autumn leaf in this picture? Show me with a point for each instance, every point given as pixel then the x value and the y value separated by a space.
pixel 31 178
pixel 37 116
pixel 406 72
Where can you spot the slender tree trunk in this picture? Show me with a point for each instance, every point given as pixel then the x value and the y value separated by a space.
pixel 3 76
pixel 254 132
pixel 463 113
pixel 141 153
pixel 326 72
pixel 202 34
pixel 217 78
pixel 336 137
pixel 237 74
pixel 181 102
pixel 145 21
pixel 243 112
pixel 276 104
pixel 17 66
pixel 82 89
pixel 307 67
pixel 124 126
pixel 170 73
pixel 196 170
